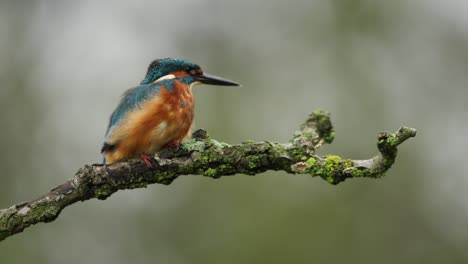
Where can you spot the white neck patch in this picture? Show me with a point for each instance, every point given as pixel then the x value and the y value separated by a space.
pixel 165 77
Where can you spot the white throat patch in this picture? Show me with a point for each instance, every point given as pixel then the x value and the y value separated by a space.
pixel 193 84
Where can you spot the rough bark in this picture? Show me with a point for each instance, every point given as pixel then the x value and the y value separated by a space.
pixel 202 155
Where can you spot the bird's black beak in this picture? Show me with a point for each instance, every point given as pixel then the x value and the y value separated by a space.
pixel 214 80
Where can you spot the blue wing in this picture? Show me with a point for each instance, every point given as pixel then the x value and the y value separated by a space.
pixel 131 99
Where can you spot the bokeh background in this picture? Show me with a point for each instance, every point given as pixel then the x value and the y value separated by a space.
pixel 376 65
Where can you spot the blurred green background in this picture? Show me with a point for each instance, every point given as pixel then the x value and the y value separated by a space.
pixel 376 65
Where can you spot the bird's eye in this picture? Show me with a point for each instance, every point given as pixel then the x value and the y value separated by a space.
pixel 193 72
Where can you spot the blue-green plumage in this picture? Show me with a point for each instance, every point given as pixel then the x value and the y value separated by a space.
pixel 131 99
pixel 162 67
pixel 135 96
pixel 165 79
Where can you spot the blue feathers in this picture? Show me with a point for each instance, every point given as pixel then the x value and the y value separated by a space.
pixel 157 112
pixel 157 69
pixel 134 97
pixel 131 99
pixel 162 67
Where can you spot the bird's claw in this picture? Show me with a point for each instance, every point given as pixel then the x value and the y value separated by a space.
pixel 147 160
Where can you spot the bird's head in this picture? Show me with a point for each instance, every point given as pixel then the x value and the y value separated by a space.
pixel 172 68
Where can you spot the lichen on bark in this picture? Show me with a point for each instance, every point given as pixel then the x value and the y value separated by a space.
pixel 201 155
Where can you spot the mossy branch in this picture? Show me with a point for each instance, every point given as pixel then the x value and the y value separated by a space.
pixel 202 155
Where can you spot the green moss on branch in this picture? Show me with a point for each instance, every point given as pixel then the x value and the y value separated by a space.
pixel 204 156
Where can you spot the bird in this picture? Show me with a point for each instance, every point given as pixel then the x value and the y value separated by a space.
pixel 157 113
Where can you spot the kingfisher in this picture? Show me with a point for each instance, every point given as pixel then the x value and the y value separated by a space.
pixel 157 113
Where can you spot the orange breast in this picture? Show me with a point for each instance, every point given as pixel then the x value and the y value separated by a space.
pixel 163 119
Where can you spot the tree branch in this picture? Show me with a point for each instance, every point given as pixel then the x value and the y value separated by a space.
pixel 202 155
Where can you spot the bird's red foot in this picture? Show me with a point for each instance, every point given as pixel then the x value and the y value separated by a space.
pixel 173 144
pixel 147 160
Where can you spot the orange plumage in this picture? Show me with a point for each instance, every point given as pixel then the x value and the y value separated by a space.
pixel 163 119
pixel 156 113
